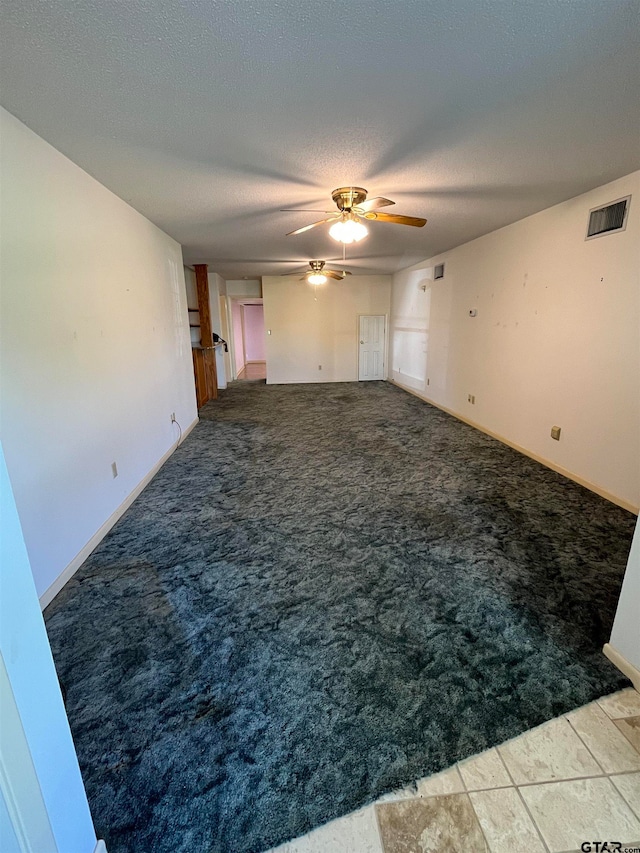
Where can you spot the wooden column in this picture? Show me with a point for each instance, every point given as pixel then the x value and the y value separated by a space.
pixel 204 356
pixel 202 285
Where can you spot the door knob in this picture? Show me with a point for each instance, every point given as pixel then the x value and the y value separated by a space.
pixel 361 342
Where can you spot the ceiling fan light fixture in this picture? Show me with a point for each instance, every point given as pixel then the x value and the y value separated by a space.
pixel 316 278
pixel 348 229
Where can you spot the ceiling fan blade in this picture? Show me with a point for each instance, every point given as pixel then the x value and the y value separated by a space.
pixel 416 221
pixel 307 227
pixel 305 210
pixel 374 203
pixel 332 274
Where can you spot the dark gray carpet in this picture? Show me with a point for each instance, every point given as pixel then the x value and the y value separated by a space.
pixel 328 591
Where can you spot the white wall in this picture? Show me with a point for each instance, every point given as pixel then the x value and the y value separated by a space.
pixel 254 343
pixel 555 340
pixel 42 789
pixel 217 288
pixel 225 328
pixel 314 331
pixel 95 352
pixel 239 287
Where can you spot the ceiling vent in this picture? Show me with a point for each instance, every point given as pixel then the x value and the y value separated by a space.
pixel 608 219
pixel 438 271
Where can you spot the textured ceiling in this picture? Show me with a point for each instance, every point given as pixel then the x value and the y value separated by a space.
pixel 208 116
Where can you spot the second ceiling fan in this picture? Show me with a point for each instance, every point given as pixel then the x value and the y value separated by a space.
pixel 352 207
pixel 317 274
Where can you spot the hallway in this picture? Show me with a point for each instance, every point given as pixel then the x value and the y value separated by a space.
pixel 253 370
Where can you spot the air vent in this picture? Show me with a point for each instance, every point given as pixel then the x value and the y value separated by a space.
pixel 438 271
pixel 608 219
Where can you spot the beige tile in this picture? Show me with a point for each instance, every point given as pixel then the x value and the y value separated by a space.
pixel 624 703
pixel 629 787
pixel 552 751
pixel 505 822
pixel 431 825
pixel 485 770
pixel 610 748
pixel 569 813
pixel 630 728
pixel 447 782
pixel 355 833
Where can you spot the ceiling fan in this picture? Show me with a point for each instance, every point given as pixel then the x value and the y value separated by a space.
pixel 352 207
pixel 319 275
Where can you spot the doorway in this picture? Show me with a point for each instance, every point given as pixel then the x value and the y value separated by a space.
pixel 248 339
pixel 371 352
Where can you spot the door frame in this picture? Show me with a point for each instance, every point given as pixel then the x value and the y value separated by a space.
pixel 245 304
pixel 241 301
pixel 385 345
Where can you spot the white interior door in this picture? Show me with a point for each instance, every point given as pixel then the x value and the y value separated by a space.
pixel 371 347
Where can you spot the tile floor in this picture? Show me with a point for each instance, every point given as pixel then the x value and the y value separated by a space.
pixel 571 780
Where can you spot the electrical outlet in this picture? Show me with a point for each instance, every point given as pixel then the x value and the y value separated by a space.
pixel 555 432
pixel 319 367
pixel 471 399
pixel 114 470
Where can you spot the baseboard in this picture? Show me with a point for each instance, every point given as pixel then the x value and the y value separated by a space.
pixel 315 381
pixel 541 459
pixel 621 663
pixel 67 573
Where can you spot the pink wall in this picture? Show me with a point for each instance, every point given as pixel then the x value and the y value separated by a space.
pixel 254 332
pixel 238 340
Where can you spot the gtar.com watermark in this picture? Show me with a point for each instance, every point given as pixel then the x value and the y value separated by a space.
pixel 606 847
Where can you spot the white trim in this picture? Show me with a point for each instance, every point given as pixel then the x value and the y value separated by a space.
pixel 67 573
pixel 100 847
pixel 541 459
pixel 244 337
pixel 619 661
